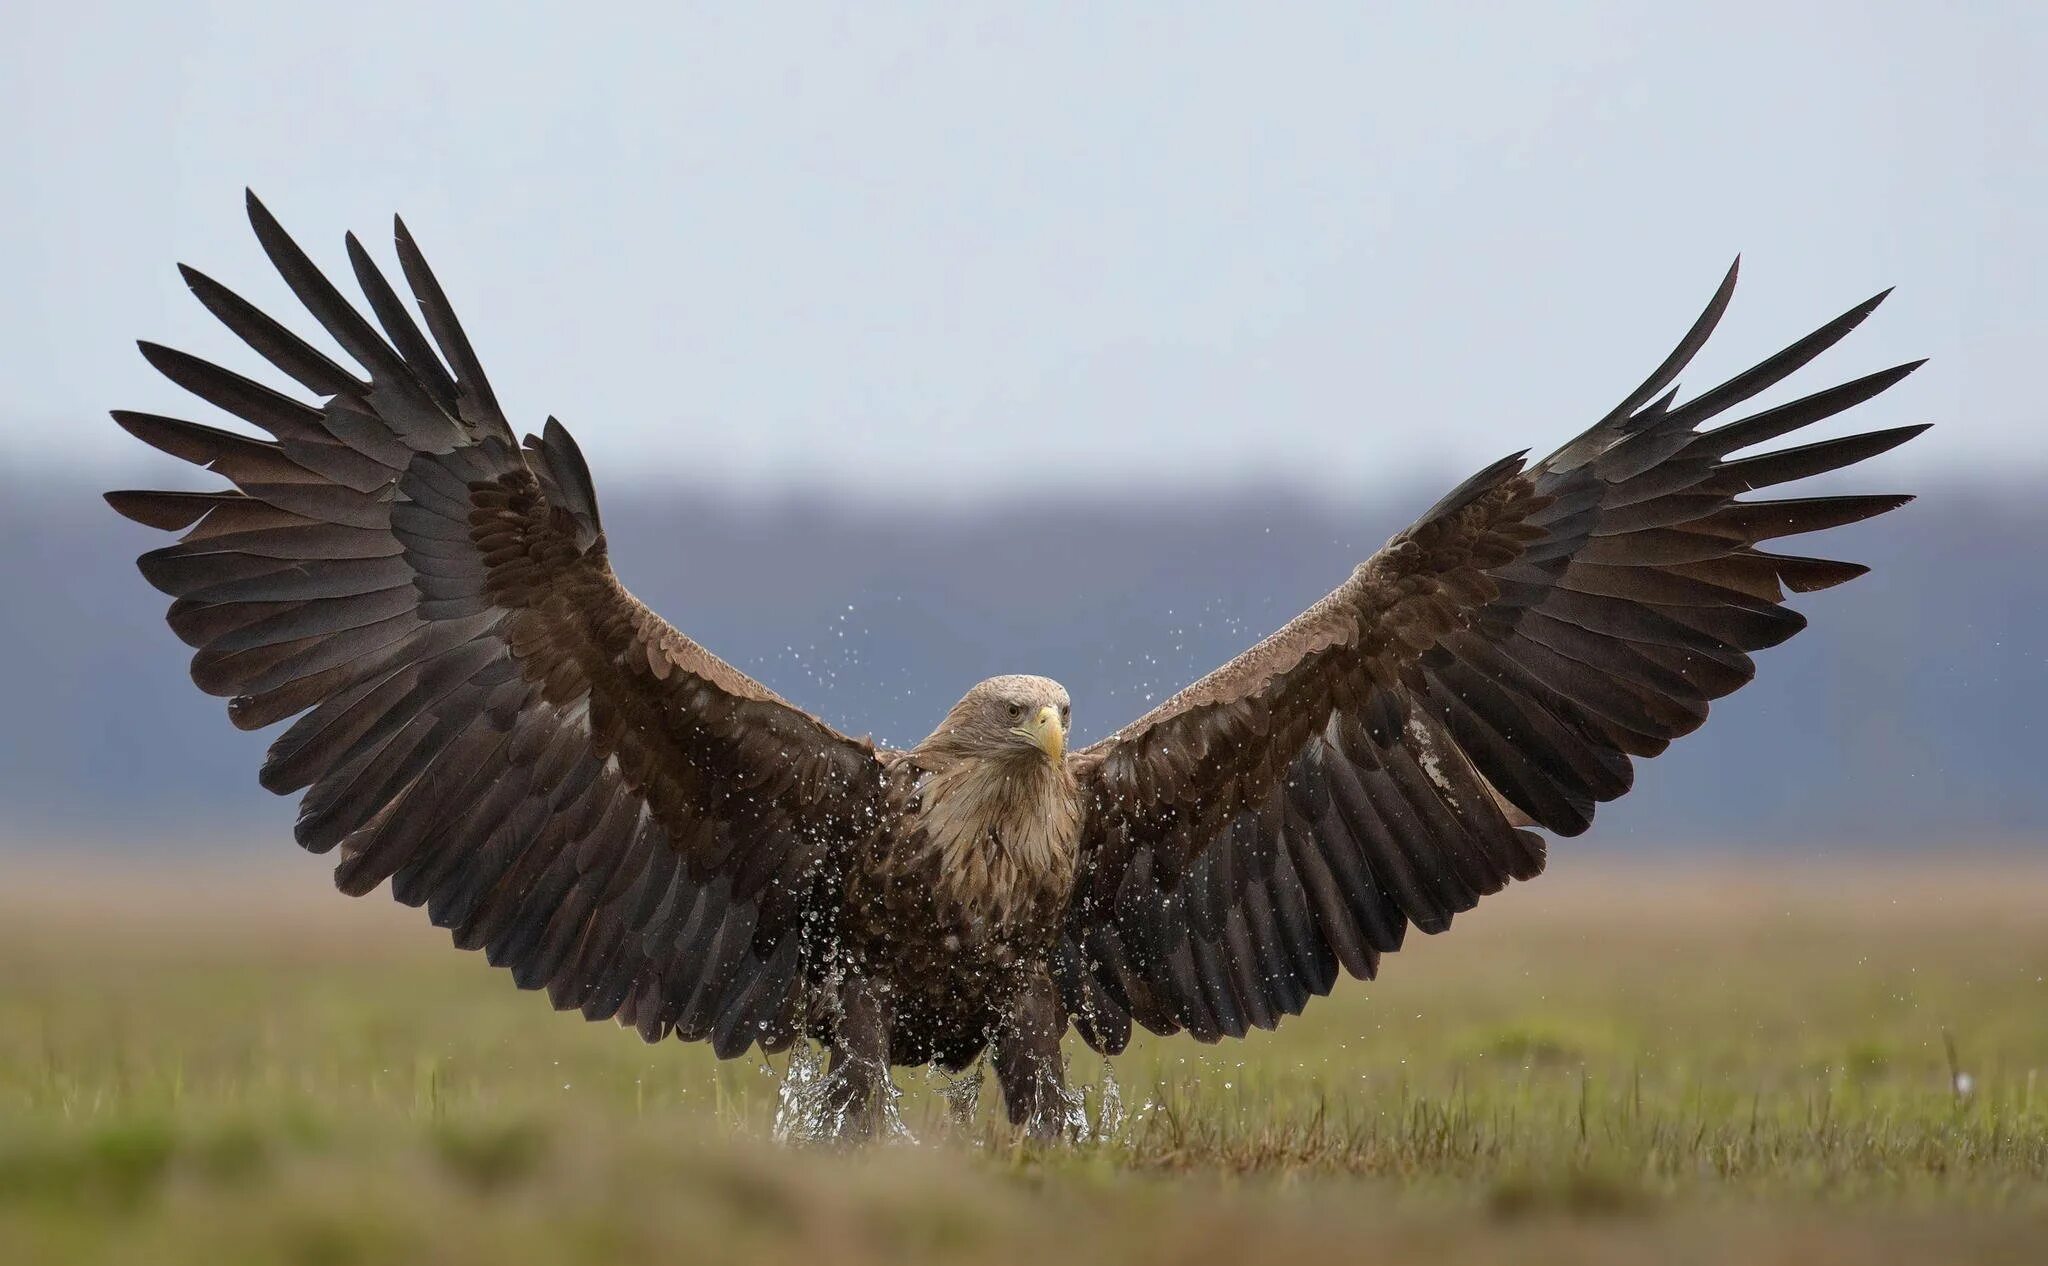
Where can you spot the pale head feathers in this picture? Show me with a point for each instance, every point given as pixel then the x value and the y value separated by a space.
pixel 987 721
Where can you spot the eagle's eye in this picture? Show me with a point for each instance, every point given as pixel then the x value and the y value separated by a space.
pixel 1016 710
pixel 1066 713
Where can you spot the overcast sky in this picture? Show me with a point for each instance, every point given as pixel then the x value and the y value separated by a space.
pixel 890 249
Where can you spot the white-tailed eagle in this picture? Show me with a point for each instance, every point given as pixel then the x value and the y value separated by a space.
pixel 489 721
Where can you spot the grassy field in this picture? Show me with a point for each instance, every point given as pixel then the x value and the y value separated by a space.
pixel 1755 1061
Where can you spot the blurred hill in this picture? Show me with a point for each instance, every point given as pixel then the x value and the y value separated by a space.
pixel 1910 715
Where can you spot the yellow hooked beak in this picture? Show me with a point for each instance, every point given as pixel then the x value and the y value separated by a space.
pixel 1045 732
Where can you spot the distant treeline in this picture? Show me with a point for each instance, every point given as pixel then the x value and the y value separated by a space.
pixel 1909 714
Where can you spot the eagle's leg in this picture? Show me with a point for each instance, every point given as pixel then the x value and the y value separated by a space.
pixel 857 1082
pixel 1028 1064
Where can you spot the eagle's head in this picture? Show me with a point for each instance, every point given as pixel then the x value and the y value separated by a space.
pixel 1006 716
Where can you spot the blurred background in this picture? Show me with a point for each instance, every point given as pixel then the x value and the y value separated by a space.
pixel 1174 316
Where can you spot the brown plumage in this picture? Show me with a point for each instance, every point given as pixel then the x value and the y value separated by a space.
pixel 488 721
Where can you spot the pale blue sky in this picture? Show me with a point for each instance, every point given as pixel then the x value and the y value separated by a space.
pixel 899 247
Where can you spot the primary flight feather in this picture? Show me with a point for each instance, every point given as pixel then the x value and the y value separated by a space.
pixel 489 721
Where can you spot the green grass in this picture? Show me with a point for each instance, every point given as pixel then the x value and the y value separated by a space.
pixel 1755 1062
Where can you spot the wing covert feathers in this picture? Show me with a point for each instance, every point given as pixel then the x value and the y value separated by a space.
pixel 484 718
pixel 1496 667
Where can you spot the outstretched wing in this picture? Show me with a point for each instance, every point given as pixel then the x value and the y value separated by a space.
pixel 1494 667
pixel 489 720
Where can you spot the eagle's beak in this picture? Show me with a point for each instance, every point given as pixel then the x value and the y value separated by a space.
pixel 1045 733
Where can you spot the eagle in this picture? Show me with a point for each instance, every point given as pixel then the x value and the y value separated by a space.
pixel 484 718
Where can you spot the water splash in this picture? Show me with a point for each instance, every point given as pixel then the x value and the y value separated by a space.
pixel 1106 1122
pixel 1110 1113
pixel 801 1110
pixel 1074 1112
pixel 894 1129
pixel 804 1111
pixel 960 1091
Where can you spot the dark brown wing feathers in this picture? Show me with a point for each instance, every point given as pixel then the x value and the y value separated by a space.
pixel 1495 667
pixel 484 717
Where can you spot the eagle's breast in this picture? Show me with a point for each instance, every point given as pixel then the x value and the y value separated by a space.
pixel 979 863
pixel 999 840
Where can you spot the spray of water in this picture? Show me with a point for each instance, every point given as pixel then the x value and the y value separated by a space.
pixel 1109 1106
pixel 804 1108
pixel 800 1106
pixel 804 1111
pixel 960 1091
